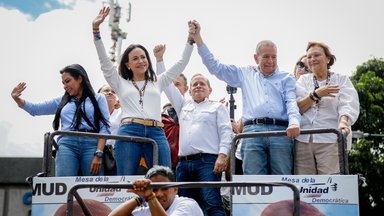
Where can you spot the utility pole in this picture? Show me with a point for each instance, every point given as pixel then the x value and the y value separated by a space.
pixel 117 35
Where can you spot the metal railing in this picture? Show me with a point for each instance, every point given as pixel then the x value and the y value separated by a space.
pixel 343 154
pixel 73 191
pixel 49 143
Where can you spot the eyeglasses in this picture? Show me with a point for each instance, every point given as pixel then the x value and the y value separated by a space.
pixel 301 65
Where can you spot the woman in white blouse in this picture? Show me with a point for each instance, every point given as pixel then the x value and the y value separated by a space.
pixel 326 100
pixel 138 89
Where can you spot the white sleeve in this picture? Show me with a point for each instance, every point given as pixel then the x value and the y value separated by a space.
pixel 187 207
pixel 109 71
pixel 141 211
pixel 166 78
pixel 224 129
pixel 349 104
pixel 175 97
pixel 160 67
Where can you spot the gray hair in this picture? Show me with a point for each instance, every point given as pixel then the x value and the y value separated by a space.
pixel 160 170
pixel 206 79
pixel 264 43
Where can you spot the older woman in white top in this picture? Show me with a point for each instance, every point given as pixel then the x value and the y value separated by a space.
pixel 114 111
pixel 138 89
pixel 326 100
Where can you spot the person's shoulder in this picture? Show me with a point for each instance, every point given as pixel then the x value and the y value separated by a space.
pixel 185 205
pixel 58 98
pixel 339 78
pixel 215 104
pixel 98 95
pixel 188 102
pixel 338 75
pixel 285 76
pixel 142 210
pixel 283 73
pixel 249 69
pixel 186 200
pixel 192 205
pixel 55 100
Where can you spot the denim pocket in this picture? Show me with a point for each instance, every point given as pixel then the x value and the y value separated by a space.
pixel 209 159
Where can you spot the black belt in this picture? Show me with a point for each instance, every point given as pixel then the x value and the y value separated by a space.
pixel 195 156
pixel 266 121
pixel 86 130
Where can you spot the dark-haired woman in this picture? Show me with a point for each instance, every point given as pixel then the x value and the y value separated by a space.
pixel 79 109
pixel 138 90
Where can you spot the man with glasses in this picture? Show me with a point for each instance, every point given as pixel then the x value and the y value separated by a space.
pixel 269 104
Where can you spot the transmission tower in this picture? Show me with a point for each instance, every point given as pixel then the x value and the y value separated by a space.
pixel 117 35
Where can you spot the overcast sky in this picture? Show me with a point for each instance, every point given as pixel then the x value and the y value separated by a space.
pixel 40 37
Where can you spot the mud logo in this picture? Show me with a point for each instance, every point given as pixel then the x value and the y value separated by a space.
pixel 49 189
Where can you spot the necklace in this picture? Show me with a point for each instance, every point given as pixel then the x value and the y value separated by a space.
pixel 141 91
pixel 316 84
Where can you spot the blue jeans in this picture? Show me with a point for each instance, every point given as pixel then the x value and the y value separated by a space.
pixel 267 155
pixel 201 170
pixel 128 154
pixel 74 153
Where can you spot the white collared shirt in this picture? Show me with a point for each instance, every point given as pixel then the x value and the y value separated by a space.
pixel 180 206
pixel 204 127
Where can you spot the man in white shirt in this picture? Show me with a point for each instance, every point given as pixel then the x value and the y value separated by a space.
pixel 163 201
pixel 204 143
pixel 171 121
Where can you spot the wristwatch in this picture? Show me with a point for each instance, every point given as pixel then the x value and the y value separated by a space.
pixel 98 153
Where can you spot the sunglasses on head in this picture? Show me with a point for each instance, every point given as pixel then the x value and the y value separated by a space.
pixel 300 65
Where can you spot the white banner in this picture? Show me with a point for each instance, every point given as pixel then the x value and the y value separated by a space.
pixel 326 194
pixel 50 194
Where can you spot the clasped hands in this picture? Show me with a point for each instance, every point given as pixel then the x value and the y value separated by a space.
pixel 140 187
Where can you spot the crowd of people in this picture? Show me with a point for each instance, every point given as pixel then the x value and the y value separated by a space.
pixel 194 135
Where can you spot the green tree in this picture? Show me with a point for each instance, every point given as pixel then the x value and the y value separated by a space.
pixel 367 155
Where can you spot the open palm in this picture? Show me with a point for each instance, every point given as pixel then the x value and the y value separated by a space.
pixel 17 91
pixel 100 17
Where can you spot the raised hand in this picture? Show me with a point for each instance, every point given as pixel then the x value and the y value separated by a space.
pixel 194 32
pixel 100 17
pixel 17 91
pixel 159 51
